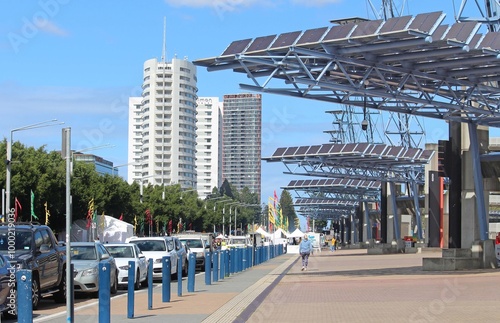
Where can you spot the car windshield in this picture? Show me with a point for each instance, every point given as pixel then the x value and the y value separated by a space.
pixel 83 253
pixel 22 240
pixel 150 245
pixel 121 251
pixel 238 241
pixel 192 243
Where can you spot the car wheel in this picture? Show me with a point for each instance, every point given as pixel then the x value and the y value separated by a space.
pixel 114 286
pixel 146 281
pixel 137 284
pixel 35 290
pixel 60 296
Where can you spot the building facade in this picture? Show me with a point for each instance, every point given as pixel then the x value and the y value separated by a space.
pixel 241 141
pixel 162 125
pixel 209 153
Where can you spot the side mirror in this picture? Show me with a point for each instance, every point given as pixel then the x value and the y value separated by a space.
pixel 104 256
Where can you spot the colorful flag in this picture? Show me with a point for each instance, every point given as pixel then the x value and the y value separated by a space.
pixel 121 217
pixel 47 214
pixel 90 213
pixel 33 206
pixel 17 209
pixel 135 224
pixel 170 226
pixel 179 225
pixel 102 222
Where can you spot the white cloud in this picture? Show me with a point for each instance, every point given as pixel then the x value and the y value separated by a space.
pixel 50 28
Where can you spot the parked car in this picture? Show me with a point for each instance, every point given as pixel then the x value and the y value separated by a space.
pixel 7 287
pixel 36 248
pixel 123 254
pixel 239 242
pixel 85 257
pixel 197 244
pixel 156 248
pixel 181 251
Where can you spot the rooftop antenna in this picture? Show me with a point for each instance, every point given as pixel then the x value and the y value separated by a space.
pixel 164 49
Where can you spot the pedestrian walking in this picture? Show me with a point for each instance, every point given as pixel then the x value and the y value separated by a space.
pixel 332 247
pixel 305 249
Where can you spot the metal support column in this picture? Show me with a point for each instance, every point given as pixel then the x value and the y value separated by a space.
pixel 367 221
pixel 397 233
pixel 478 183
pixel 414 188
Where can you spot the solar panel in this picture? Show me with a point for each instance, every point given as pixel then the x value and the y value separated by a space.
pixel 463 32
pixel 286 39
pixel 491 40
pixel 395 24
pixel 290 152
pixel 338 32
pixel 302 150
pixel 312 36
pixel 440 32
pixel 260 43
pixel 313 149
pixel 349 148
pixel 412 153
pixel 325 149
pixel 337 148
pixel 279 152
pixel 426 22
pixel 475 41
pixel 237 47
pixel 378 149
pixel 367 28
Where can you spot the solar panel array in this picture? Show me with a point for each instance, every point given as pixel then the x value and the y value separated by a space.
pixel 378 153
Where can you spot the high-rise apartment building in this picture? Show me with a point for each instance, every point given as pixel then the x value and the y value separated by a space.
pixel 241 141
pixel 162 125
pixel 208 149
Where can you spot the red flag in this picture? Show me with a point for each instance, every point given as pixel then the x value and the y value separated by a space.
pixel 16 206
pixel 121 217
pixel 149 218
pixel 170 226
pixel 275 198
pixel 190 226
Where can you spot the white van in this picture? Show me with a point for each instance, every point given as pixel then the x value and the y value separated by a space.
pixel 156 248
pixel 198 244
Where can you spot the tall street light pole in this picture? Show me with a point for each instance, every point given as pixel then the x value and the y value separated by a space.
pixel 8 162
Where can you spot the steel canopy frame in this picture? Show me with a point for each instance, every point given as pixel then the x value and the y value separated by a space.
pixel 436 72
pixel 411 65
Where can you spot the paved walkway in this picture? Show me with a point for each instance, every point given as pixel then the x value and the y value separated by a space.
pixel 343 286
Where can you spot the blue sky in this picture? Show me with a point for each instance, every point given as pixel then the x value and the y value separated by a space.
pixel 80 61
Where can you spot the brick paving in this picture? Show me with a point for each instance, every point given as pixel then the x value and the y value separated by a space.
pixel 344 286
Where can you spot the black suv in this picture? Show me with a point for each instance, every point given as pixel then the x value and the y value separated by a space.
pixel 33 246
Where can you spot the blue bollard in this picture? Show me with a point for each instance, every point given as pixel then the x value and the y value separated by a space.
pixel 24 296
pixel 208 268
pixel 150 284
pixel 130 294
pixel 227 261
pixel 222 264
pixel 166 279
pixel 191 272
pixel 232 260
pixel 238 260
pixel 216 266
pixel 104 292
pixel 179 276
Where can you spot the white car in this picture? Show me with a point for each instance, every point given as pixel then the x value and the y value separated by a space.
pixel 197 245
pixel 123 254
pixel 156 248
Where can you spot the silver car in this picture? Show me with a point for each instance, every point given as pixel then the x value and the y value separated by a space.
pixel 85 257
pixel 123 254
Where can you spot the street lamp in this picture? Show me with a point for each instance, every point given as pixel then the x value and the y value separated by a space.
pixel 8 162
